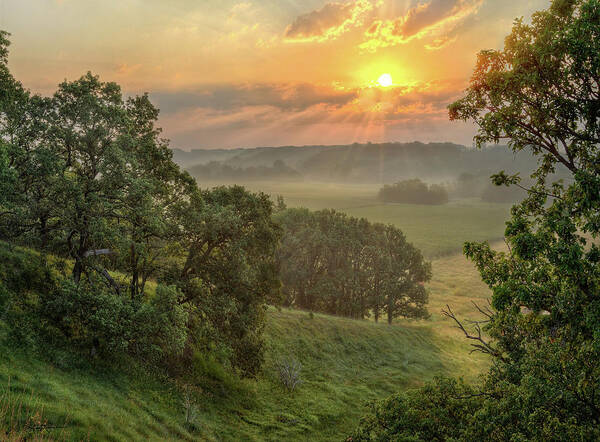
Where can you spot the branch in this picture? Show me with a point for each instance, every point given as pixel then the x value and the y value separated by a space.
pixel 529 190
pixel 97 252
pixel 110 281
pixel 486 312
pixel 481 344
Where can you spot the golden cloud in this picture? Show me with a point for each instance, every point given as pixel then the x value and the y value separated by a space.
pixel 329 22
pixel 435 18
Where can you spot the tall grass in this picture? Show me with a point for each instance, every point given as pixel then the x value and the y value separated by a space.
pixel 24 420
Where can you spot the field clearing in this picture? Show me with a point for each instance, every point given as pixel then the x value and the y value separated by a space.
pixel 436 230
pixel 440 230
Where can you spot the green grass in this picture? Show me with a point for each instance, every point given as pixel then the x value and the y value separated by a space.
pixel 345 363
pixel 435 230
pixel 86 404
pixel 440 230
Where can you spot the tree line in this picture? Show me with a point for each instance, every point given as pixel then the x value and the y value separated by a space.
pixel 333 263
pixel 218 171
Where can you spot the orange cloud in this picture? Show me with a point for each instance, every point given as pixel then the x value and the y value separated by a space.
pixel 434 18
pixel 271 114
pixel 329 22
pixel 440 43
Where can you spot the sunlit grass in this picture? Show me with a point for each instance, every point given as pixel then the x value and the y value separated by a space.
pixel 345 363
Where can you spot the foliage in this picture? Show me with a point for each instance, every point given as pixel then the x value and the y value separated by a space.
pixel 337 264
pixel 87 178
pixel 438 411
pixel 540 93
pixel 216 171
pixel 414 192
pixel 227 270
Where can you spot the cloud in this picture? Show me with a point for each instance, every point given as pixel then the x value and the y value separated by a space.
pixel 440 43
pixel 228 98
pixel 433 18
pixel 125 69
pixel 271 114
pixel 329 22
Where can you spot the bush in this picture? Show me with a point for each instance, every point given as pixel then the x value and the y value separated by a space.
pixel 414 192
pixel 436 411
pixel 24 275
pixel 96 319
pixel 289 373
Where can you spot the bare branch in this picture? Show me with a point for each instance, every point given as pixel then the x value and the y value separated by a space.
pixel 481 344
pixel 484 311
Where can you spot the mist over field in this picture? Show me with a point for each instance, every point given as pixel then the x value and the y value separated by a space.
pixel 415 258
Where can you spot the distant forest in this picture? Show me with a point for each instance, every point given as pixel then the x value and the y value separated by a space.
pixel 464 172
pixel 362 163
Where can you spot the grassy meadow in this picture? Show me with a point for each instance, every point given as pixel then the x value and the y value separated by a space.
pixel 436 230
pixel 345 363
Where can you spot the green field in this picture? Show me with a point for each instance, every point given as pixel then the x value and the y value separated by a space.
pixel 436 230
pixel 345 363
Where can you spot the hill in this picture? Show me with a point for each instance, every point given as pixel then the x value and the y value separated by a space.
pixel 344 364
pixel 368 163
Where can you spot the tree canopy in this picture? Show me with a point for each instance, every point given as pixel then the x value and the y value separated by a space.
pixel 158 267
pixel 337 264
pixel 540 93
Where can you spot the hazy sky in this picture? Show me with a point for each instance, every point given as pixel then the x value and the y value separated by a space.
pixel 231 73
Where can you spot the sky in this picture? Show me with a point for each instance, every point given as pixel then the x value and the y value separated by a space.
pixel 245 73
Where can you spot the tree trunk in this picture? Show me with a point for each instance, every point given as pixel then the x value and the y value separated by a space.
pixel 133 289
pixel 77 269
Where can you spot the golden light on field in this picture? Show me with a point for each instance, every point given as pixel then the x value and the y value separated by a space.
pixel 385 80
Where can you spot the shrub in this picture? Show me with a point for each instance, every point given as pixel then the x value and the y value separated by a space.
pixel 289 373
pixel 98 320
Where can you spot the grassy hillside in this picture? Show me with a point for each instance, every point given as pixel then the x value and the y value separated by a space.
pixel 345 363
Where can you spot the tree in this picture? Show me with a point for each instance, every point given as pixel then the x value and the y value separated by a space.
pixel 341 265
pixel 89 131
pixel 226 269
pixel 28 165
pixel 405 293
pixel 541 93
pixel 414 192
pixel 152 189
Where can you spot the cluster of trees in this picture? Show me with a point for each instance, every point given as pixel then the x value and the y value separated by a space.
pixel 157 265
pixel 216 171
pixel 470 185
pixel 337 264
pixel 541 331
pixel 414 191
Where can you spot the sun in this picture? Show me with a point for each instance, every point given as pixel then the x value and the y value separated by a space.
pixel 385 80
